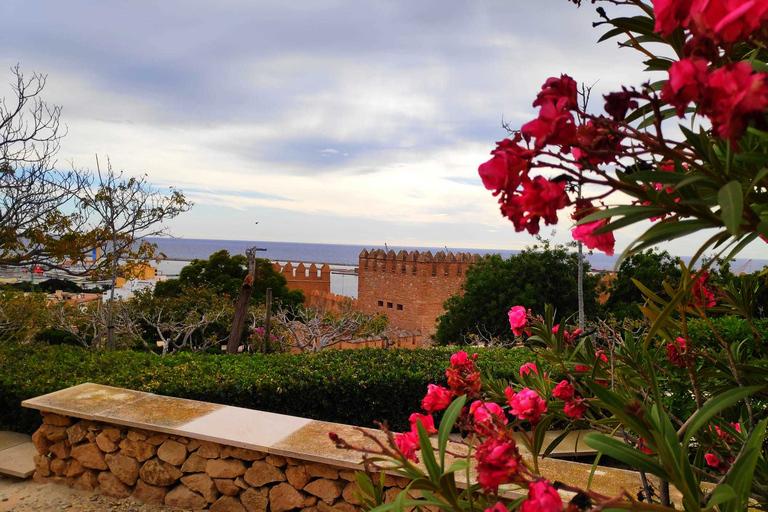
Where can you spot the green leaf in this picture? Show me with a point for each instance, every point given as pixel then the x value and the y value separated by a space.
pixel 721 494
pixel 740 477
pixel 629 455
pixel 713 407
pixel 428 453
pixel 731 205
pixel 446 426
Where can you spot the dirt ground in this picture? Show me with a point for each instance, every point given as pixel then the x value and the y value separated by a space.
pixel 27 496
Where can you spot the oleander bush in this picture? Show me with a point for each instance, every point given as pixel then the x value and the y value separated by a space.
pixel 346 386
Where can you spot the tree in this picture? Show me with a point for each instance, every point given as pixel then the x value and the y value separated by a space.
pixel 126 210
pixel 225 274
pixel 195 320
pixel 38 222
pixel 534 277
pixel 312 330
pixel 652 268
pixel 89 324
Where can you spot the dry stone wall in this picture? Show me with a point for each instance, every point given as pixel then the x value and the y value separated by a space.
pixel 187 473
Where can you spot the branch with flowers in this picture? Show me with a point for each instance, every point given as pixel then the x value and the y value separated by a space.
pixel 631 164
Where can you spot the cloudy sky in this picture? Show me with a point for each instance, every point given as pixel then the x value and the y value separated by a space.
pixel 325 121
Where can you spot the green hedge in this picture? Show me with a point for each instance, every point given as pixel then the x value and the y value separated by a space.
pixel 344 386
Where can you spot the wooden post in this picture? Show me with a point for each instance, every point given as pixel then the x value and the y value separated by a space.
pixel 241 311
pixel 267 346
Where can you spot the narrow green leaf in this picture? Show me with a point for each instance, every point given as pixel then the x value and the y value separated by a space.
pixel 714 406
pixel 446 426
pixel 721 494
pixel 731 206
pixel 629 455
pixel 428 453
pixel 740 477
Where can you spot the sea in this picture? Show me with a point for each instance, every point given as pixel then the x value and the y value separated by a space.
pixel 180 251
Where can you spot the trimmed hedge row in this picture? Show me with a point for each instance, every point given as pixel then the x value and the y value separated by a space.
pixel 345 386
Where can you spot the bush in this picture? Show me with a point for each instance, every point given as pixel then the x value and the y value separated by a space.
pixel 347 386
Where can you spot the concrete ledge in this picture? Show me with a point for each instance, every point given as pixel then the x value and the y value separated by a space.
pixel 298 439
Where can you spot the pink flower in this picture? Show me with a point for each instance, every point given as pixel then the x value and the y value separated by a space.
pixel 597 144
pixel 426 419
pixel 463 377
pixel 499 507
pixel 568 337
pixel 734 95
pixel 687 80
pixel 539 199
pixel 528 368
pixel 727 21
pixel 527 405
pixel 563 391
pixel 602 357
pixel 575 408
pixel 408 443
pixel 508 167
pixel 715 461
pixel 722 433
pixel 437 398
pixel 460 359
pixel 542 497
pixel 670 14
pixel 586 233
pixel 703 295
pixel 581 368
pixel 498 462
pixel 644 447
pixel 557 89
pixel 518 320
pixel 675 352
pixel 487 415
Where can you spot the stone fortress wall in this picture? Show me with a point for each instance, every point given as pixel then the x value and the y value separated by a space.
pixel 309 279
pixel 410 287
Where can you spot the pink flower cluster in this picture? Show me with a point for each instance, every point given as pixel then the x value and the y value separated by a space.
pixel 703 296
pixel 463 376
pixel 676 352
pixel 568 337
pixel 723 22
pixel 408 442
pixel 518 320
pixel 574 406
pixel 729 96
pixel 526 405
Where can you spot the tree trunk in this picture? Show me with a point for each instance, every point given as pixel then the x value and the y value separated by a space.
pixel 111 341
pixel 581 287
pixel 268 322
pixel 241 311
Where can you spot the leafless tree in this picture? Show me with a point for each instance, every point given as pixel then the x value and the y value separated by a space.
pixel 38 222
pixel 88 323
pixel 183 331
pixel 124 211
pixel 313 330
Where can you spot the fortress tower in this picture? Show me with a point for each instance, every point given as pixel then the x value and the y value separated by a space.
pixel 307 279
pixel 410 287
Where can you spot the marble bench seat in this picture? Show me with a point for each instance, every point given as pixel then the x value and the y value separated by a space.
pixel 301 440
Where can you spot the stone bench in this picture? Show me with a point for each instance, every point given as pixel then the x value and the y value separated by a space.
pixel 196 455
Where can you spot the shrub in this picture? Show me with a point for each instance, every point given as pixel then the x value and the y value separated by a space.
pixel 346 386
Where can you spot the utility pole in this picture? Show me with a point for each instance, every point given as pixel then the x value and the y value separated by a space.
pixel 268 321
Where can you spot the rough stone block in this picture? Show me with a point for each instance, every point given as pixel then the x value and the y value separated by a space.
pixel 124 467
pixel 322 471
pixel 53 432
pixel 155 472
pixel 42 443
pixel 112 486
pixel 326 490
pixel 183 497
pixel 276 460
pixel 349 493
pixel 172 452
pixel 284 497
pixel 297 476
pixel 262 473
pixel 61 450
pixel 157 439
pixel 57 420
pixel 89 456
pixel 137 435
pixel 88 481
pixel 42 465
pixel 149 493
pixel 226 486
pixel 202 483
pixel 209 450
pixel 77 432
pixel 58 467
pixel 241 453
pixel 74 468
pixel 138 449
pixel 227 504
pixel 194 464
pixel 225 468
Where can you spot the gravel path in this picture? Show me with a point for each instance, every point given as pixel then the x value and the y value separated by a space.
pixel 27 496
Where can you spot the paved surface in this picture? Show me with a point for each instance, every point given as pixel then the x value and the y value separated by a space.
pixel 16 452
pixel 27 496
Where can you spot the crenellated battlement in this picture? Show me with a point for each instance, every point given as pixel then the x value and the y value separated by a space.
pixel 416 262
pixel 308 279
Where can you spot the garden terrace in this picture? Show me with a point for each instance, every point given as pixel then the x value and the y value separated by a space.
pixel 191 454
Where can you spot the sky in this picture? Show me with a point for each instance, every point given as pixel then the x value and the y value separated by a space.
pixel 313 121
